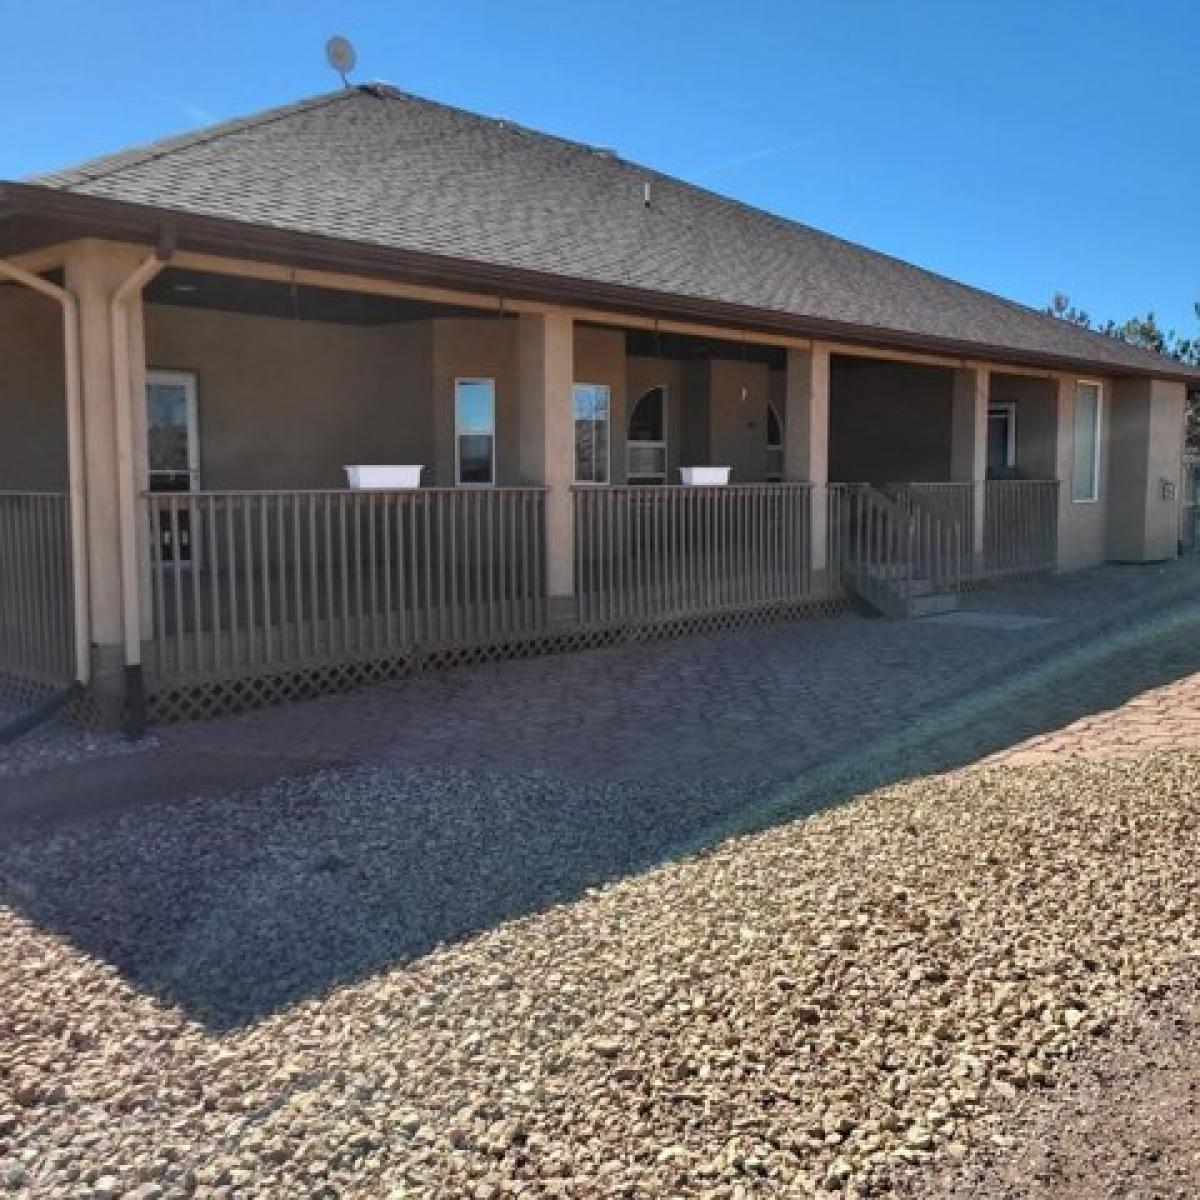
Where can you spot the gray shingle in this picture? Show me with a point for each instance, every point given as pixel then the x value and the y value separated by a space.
pixel 374 165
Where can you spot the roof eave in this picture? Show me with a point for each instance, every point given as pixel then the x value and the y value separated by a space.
pixel 98 216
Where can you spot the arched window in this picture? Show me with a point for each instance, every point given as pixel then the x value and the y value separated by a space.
pixel 774 445
pixel 646 447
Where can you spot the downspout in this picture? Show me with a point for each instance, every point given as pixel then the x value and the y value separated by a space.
pixel 76 498
pixel 131 607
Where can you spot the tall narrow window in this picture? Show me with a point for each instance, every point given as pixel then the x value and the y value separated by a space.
pixel 475 431
pixel 590 401
pixel 774 446
pixel 172 450
pixel 1085 472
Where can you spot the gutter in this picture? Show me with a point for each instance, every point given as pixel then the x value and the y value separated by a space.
pixel 131 607
pixel 76 496
pixel 267 243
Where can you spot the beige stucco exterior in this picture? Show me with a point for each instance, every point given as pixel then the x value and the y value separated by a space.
pixel 889 421
pixel 33 421
pixel 286 404
pixel 1145 423
pixel 1081 523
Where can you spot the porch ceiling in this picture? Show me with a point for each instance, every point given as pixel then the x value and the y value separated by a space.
pixel 642 343
pixel 269 298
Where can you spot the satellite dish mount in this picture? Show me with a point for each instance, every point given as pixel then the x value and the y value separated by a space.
pixel 339 54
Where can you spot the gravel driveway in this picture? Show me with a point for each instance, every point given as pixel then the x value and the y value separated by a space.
pixel 827 1006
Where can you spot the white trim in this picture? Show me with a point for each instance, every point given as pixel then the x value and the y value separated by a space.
pixel 1009 408
pixel 1094 498
pixel 458 481
pixel 607 480
pixel 186 380
pixel 663 445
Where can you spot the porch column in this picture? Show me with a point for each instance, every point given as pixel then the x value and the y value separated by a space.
pixel 547 365
pixel 94 270
pixel 1145 420
pixel 968 442
pixel 806 439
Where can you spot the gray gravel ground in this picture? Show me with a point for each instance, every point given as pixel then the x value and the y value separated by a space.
pixel 59 744
pixel 234 907
pixel 825 1007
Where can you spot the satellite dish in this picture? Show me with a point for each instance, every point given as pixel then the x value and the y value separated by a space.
pixel 339 54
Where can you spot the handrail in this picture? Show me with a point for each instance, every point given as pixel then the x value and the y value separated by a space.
pixel 487 490
pixel 889 548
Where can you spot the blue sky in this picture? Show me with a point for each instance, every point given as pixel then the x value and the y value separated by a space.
pixel 1021 145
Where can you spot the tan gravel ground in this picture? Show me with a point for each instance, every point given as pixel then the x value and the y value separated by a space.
pixel 828 1006
pixel 1122 1123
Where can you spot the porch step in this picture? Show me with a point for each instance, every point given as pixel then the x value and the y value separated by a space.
pixel 888 592
pixel 932 604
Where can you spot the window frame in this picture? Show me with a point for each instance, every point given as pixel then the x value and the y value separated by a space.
pixel 664 445
pixel 773 411
pixel 459 482
pixel 189 381
pixel 1009 409
pixel 1098 387
pixel 607 480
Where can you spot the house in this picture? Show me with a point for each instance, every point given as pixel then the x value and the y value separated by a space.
pixel 198 336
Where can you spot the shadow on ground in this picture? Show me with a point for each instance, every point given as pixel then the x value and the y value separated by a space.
pixel 232 908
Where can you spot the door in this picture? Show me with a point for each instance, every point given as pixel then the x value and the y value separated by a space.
pixel 173 454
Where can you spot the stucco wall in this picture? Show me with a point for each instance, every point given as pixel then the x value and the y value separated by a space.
pixel 889 421
pixel 33 419
pixel 285 404
pixel 600 359
pixel 1145 443
pixel 738 418
pixel 1081 523
pixel 476 347
pixel 1036 401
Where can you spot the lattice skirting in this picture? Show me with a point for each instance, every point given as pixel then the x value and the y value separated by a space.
pixel 184 700
pixel 19 693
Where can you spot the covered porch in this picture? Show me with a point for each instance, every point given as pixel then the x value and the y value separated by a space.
pixel 229 564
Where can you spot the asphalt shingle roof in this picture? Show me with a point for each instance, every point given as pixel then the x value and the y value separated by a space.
pixel 376 166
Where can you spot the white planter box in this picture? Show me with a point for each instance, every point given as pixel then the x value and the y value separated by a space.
pixel 366 478
pixel 704 476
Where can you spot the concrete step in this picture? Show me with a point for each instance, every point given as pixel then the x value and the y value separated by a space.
pixel 933 603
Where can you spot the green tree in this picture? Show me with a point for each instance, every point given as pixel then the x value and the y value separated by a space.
pixel 1149 335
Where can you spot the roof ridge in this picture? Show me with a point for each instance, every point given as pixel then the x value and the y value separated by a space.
pixel 390 90
pixel 91 170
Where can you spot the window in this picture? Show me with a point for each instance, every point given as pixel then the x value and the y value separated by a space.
pixel 1002 440
pixel 1085 471
pixel 172 452
pixel 172 458
pixel 590 404
pixel 646 447
pixel 475 431
pixel 774 445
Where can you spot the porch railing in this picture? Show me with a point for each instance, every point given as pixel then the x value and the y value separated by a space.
pixel 36 635
pixel 889 549
pixel 1020 526
pixel 272 579
pixel 643 552
pixel 951 503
